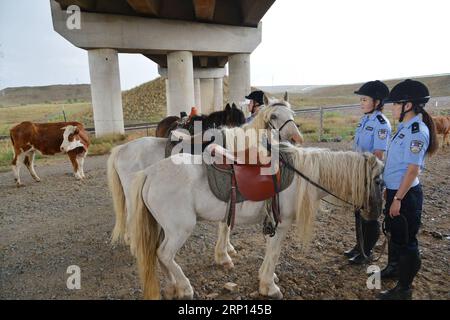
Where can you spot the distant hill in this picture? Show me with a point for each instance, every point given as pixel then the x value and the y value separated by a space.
pixel 290 89
pixel 147 102
pixel 45 94
pixel 439 85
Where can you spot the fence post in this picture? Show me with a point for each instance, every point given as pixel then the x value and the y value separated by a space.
pixel 321 125
pixel 64 114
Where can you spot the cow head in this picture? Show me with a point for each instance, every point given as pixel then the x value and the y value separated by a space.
pixel 71 138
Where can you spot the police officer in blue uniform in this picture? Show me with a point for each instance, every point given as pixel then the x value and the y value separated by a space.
pixel 414 139
pixel 372 135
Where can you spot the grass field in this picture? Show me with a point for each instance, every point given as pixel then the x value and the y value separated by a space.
pixel 10 116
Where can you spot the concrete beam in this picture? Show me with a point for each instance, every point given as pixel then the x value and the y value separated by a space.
pixel 200 73
pixel 253 11
pixel 146 7
pixel 85 5
pixel 204 9
pixel 106 92
pixel 130 34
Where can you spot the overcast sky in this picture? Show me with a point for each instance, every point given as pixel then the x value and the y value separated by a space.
pixel 304 43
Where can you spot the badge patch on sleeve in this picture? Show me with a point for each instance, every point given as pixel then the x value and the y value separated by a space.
pixel 416 146
pixel 382 134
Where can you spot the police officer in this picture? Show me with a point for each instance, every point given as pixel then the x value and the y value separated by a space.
pixel 372 135
pixel 415 138
pixel 256 101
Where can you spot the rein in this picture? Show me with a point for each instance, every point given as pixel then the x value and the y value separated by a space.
pixel 288 165
pixel 357 210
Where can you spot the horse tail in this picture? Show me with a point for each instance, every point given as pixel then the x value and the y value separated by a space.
pixel 144 239
pixel 118 196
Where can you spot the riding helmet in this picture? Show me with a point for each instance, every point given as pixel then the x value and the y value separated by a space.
pixel 375 89
pixel 257 96
pixel 409 91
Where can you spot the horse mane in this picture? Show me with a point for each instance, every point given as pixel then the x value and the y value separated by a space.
pixel 258 123
pixel 345 173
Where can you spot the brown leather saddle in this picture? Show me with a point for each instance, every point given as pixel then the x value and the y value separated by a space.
pixel 244 181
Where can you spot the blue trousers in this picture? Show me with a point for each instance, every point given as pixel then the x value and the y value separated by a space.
pixel 405 227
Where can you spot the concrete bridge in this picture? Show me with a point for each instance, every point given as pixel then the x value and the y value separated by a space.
pixel 190 40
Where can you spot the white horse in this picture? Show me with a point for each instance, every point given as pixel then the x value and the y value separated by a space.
pixel 167 198
pixel 127 159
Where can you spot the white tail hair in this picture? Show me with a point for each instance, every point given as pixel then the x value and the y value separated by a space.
pixel 144 239
pixel 118 196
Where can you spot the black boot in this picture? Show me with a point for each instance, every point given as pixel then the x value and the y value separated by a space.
pixel 409 265
pixel 355 250
pixel 370 234
pixel 391 270
pixel 352 252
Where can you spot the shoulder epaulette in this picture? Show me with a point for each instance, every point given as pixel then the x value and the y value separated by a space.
pixel 415 127
pixel 381 119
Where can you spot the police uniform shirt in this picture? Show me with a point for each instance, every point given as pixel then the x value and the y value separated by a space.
pixel 408 146
pixel 249 119
pixel 373 133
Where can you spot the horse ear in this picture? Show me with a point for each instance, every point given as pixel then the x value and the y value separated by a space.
pixel 286 96
pixel 266 100
pixel 227 107
pixel 234 106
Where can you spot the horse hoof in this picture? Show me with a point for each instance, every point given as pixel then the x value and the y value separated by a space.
pixel 170 292
pixel 232 251
pixel 228 265
pixel 186 294
pixel 277 295
pixel 272 292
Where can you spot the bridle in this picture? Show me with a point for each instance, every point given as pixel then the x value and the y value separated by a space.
pixel 270 124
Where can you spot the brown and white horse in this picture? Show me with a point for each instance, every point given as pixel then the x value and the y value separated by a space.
pixel 49 139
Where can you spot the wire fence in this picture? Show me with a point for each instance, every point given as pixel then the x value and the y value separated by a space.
pixel 330 123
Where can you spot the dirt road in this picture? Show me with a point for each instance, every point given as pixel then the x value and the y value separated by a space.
pixel 46 227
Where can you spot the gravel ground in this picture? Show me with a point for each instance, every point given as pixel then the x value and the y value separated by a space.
pixel 46 227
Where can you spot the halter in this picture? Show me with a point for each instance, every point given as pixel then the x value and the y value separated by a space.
pixel 284 124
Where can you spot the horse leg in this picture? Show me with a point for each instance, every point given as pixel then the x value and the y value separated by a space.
pixel 29 162
pixel 221 254
pixel 230 248
pixel 173 241
pixel 170 291
pixel 267 286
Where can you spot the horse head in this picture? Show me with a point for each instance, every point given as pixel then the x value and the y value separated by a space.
pixel 374 187
pixel 278 115
pixel 234 117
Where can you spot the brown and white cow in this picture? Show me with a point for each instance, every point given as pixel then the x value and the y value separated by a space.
pixel 49 139
pixel 443 127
